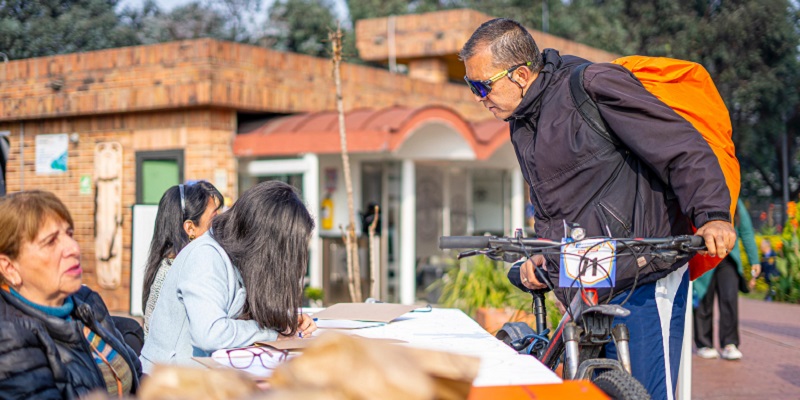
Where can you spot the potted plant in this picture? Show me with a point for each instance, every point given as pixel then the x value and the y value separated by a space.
pixel 313 296
pixel 479 287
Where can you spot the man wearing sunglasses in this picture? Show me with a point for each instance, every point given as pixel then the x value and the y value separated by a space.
pixel 655 180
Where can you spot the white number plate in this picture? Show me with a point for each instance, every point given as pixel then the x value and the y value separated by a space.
pixel 591 261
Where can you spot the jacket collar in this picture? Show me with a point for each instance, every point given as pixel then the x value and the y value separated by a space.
pixel 532 102
pixel 58 328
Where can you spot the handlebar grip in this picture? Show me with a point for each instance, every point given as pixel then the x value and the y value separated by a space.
pixel 463 242
pixel 697 241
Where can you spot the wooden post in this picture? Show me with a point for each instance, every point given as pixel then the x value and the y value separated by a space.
pixel 350 238
pixel 375 290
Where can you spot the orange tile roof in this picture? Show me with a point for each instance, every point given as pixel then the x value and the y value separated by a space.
pixel 368 131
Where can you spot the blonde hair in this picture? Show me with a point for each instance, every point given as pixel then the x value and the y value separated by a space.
pixel 23 214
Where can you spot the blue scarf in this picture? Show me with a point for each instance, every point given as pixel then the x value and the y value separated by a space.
pixel 62 311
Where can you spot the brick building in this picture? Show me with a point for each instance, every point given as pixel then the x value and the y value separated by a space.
pixel 235 114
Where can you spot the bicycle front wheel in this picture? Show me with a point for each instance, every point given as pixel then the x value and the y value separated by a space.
pixel 620 385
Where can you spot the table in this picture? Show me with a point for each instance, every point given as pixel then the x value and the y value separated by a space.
pixel 453 331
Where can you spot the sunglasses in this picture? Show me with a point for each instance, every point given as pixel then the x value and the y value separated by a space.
pixel 483 88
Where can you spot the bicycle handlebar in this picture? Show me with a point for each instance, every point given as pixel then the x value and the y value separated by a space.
pixel 685 243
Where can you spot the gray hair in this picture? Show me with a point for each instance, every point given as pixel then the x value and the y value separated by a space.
pixel 510 43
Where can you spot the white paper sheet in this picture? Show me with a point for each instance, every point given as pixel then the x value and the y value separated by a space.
pixel 346 324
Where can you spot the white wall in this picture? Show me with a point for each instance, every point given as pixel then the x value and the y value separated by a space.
pixel 435 141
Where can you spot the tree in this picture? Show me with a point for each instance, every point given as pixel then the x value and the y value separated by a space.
pixel 240 17
pixel 748 46
pixel 34 28
pixel 362 9
pixel 189 21
pixel 300 26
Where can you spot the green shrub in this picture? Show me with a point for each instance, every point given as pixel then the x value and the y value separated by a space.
pixel 313 293
pixel 787 261
pixel 478 282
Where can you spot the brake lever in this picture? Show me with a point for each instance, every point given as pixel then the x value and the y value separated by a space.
pixel 495 254
pixel 669 256
pixel 490 252
pixel 541 276
pixel 468 253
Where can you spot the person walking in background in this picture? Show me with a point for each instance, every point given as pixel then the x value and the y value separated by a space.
pixel 239 284
pixel 767 269
pixel 184 213
pixel 724 282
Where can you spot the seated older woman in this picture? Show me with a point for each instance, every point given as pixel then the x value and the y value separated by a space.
pixel 57 339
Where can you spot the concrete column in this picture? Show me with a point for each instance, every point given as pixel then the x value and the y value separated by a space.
pixel 446 209
pixel 517 200
pixel 311 190
pixel 470 209
pixel 408 233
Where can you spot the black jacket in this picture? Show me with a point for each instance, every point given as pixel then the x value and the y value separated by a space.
pixel 46 357
pixel 663 177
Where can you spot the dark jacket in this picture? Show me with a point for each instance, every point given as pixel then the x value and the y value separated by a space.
pixel 46 357
pixel 663 177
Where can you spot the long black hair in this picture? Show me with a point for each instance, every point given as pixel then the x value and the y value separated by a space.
pixel 266 235
pixel 169 237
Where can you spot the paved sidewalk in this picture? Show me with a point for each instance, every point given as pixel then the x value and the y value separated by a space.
pixel 770 341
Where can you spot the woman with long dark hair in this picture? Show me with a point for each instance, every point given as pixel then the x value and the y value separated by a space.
pixel 184 213
pixel 240 284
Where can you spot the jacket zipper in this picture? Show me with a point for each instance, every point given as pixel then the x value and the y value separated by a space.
pixel 532 147
pixel 608 210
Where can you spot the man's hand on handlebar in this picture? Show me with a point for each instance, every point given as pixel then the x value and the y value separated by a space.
pixel 527 272
pixel 719 236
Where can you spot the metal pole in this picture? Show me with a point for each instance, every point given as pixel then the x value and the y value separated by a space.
pixel 6 147
pixel 545 17
pixel 785 170
pixel 21 156
pixel 21 147
pixel 4 185
pixel 391 42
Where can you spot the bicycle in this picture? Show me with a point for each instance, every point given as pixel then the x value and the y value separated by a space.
pixel 587 325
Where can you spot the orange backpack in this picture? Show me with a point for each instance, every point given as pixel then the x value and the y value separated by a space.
pixel 687 88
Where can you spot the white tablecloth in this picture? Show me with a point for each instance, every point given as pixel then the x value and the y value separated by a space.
pixel 452 330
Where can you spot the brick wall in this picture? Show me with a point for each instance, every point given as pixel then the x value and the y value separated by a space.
pixel 204 134
pixel 185 95
pixel 204 72
pixel 442 34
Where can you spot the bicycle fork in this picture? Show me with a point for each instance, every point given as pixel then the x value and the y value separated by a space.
pixel 575 368
pixel 572 336
pixel 622 339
